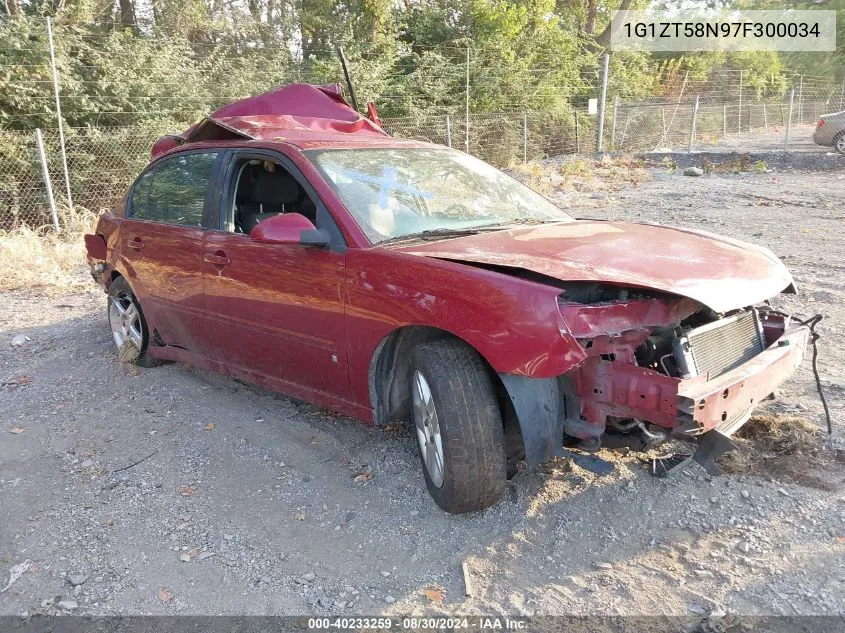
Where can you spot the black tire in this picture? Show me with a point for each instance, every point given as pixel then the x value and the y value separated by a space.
pixel 839 142
pixel 120 290
pixel 474 468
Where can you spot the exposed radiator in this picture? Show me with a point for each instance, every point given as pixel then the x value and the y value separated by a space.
pixel 718 347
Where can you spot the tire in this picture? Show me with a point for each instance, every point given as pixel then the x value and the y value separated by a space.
pixel 466 420
pixel 839 142
pixel 130 333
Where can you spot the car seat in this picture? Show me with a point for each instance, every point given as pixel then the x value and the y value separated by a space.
pixel 273 193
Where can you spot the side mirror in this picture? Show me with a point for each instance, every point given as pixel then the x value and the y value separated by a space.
pixel 289 228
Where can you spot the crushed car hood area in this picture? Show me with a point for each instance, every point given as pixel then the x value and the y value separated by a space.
pixel 721 273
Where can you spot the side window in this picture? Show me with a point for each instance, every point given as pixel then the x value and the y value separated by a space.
pixel 263 189
pixel 141 195
pixel 177 190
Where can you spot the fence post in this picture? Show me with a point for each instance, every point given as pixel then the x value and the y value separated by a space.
pixel 613 125
pixel 724 121
pixel 602 103
pixel 59 111
pixel 577 135
pixel 524 139
pixel 842 96
pixel 466 140
pixel 800 99
pixel 765 118
pixel 448 130
pixel 675 111
pixel 739 114
pixel 692 127
pixel 662 124
pixel 45 174
pixel 789 120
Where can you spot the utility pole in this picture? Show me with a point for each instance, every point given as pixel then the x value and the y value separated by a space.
pixel 524 139
pixel 577 135
pixel 613 123
pixel 692 127
pixel 675 111
pixel 45 174
pixel 59 111
pixel 600 141
pixel 466 140
pixel 789 120
pixel 800 99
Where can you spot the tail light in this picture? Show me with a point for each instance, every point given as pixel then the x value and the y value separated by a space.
pixel 821 122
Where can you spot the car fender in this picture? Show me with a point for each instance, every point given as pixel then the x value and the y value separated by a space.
pixel 514 324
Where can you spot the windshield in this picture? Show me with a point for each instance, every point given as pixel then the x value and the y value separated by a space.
pixel 397 193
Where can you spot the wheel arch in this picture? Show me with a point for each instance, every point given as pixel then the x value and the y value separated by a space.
pixel 119 273
pixel 836 138
pixel 389 380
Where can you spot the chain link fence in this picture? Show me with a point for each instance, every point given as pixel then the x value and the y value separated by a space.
pixel 729 110
pixel 103 162
pixel 728 119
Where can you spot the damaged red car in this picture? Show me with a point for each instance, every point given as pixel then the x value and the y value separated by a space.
pixel 288 241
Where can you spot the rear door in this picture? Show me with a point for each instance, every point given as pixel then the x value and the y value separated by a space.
pixel 276 311
pixel 161 244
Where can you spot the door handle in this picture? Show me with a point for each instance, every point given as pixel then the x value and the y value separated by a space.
pixel 136 243
pixel 218 258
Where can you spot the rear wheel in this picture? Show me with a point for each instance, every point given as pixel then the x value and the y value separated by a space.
pixel 458 425
pixel 839 142
pixel 128 326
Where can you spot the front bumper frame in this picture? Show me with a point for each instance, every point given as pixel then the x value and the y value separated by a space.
pixel 725 403
pixel 689 407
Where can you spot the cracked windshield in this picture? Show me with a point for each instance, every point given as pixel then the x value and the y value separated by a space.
pixel 398 194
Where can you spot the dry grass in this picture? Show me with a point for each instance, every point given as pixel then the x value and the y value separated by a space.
pixel 44 259
pixel 782 434
pixel 782 446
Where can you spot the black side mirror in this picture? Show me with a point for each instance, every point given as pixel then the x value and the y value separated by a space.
pixel 315 237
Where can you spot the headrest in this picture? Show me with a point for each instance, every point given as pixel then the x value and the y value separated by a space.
pixel 277 187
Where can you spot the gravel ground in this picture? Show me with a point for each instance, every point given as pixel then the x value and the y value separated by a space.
pixel 167 490
pixel 800 140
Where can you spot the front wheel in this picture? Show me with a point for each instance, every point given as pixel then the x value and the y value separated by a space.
pixel 458 426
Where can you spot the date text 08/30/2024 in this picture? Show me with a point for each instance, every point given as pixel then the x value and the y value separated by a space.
pixel 477 623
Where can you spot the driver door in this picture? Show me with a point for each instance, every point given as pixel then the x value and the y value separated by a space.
pixel 276 312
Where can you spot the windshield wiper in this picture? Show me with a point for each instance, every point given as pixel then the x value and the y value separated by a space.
pixel 430 234
pixel 499 225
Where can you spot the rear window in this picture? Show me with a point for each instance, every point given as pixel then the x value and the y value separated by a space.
pixel 174 191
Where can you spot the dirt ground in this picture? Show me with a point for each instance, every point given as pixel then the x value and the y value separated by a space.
pixel 163 491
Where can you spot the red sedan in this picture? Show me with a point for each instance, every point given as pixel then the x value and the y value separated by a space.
pixel 288 241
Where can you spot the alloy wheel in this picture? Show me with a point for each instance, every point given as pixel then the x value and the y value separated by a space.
pixel 428 429
pixel 125 321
